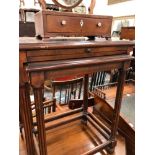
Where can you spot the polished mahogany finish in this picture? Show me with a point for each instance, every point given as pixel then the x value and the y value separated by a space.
pixel 42 60
pixel 48 23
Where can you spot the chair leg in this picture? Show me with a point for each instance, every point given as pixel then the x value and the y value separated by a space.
pixel 54 105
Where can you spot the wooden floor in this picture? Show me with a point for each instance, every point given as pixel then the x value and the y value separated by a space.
pixel 74 139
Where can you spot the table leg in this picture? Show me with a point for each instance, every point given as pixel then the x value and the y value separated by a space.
pixel 85 99
pixel 38 99
pixel 26 114
pixel 118 100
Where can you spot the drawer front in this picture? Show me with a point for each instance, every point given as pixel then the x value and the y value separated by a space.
pixel 97 26
pixel 62 24
pixel 65 54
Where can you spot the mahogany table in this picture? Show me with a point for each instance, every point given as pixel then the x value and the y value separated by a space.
pixel 44 59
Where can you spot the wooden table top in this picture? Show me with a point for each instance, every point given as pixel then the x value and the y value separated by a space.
pixel 31 43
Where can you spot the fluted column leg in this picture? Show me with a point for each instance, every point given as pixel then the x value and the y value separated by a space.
pixel 38 99
pixel 85 99
pixel 117 107
pixel 26 113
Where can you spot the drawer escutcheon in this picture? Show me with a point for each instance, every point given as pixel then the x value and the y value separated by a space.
pixel 81 22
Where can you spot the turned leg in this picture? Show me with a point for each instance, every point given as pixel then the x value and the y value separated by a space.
pixel 26 114
pixel 118 100
pixel 38 99
pixel 85 99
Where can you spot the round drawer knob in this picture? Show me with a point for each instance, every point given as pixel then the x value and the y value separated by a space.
pixel 63 22
pixel 99 24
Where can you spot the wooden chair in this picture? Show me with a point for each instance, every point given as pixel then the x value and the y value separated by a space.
pixel 97 79
pixel 27 28
pixel 48 106
pixel 129 74
pixel 67 90
pixel 24 9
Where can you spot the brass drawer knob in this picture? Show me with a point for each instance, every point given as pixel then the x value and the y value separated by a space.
pixel 63 22
pixel 99 24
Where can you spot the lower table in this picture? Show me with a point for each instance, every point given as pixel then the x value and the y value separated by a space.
pixel 35 69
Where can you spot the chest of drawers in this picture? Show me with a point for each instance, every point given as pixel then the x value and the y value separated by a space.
pixel 128 33
pixel 48 23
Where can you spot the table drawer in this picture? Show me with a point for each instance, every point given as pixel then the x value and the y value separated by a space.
pixel 63 54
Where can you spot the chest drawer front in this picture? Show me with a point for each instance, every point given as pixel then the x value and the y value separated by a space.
pixel 64 54
pixel 97 26
pixel 60 24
